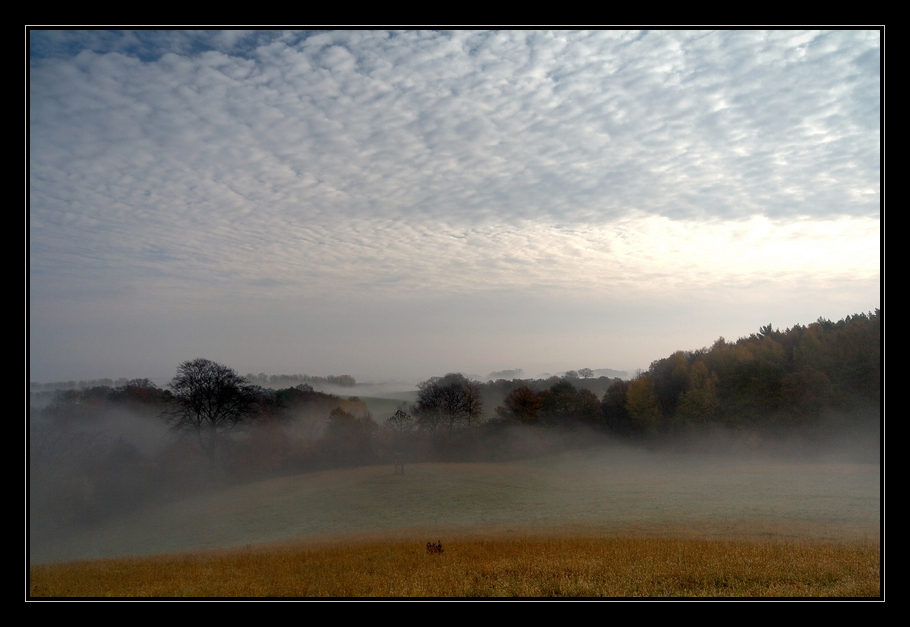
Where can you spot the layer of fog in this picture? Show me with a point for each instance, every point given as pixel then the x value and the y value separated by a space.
pixel 819 483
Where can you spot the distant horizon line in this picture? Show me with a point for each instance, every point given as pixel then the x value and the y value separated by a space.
pixel 117 381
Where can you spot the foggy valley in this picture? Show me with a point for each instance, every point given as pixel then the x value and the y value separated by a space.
pixel 695 448
pixel 111 473
pixel 382 302
pixel 607 489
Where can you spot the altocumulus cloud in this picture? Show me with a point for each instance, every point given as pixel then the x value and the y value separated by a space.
pixel 190 189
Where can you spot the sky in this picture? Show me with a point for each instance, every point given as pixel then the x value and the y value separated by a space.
pixel 400 205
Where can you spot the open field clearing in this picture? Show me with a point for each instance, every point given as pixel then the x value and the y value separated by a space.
pixel 605 491
pixel 530 567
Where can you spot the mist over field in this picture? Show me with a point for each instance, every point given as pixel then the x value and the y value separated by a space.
pixel 519 283
pixel 777 435
pixel 823 484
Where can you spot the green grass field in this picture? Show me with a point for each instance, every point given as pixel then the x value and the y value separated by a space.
pixel 603 495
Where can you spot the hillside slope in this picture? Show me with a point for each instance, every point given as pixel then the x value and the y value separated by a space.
pixel 604 490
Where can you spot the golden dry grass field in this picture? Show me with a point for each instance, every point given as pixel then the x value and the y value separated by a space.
pixel 607 522
pixel 529 567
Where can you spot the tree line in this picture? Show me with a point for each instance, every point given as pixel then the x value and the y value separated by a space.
pixel 769 379
pixel 224 426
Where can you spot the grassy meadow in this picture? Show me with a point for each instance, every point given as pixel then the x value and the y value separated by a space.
pixel 529 567
pixel 613 522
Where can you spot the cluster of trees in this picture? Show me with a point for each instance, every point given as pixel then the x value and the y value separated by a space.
pixel 211 401
pixel 560 404
pixel 770 378
pixel 133 390
pixel 448 403
pixel 767 378
pixel 99 451
pixel 220 420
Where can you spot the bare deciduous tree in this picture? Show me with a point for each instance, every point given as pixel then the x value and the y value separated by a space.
pixel 209 399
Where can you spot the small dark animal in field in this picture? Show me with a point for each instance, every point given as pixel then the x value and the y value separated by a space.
pixel 434 549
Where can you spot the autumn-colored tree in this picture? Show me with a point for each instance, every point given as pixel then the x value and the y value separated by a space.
pixel 587 408
pixel 558 403
pixel 522 404
pixel 670 376
pixel 642 405
pixel 699 404
pixel 613 407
